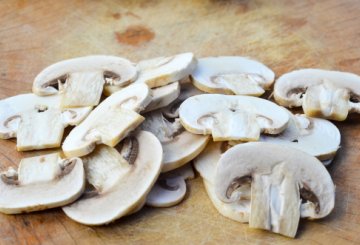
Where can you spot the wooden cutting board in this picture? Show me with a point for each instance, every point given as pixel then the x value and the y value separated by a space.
pixel 285 35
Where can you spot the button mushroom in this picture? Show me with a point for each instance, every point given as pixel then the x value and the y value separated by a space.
pixel 32 188
pixel 232 75
pixel 230 117
pixel 170 188
pixel 37 122
pixel 286 184
pixel 173 137
pixel 109 122
pixel 206 164
pixel 315 136
pixel 321 93
pixel 118 185
pixel 160 71
pixel 80 80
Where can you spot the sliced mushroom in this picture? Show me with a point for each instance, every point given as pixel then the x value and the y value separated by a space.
pixel 285 184
pixel 232 75
pixel 187 90
pixel 109 122
pixel 229 117
pixel 173 137
pixel 321 93
pixel 164 70
pixel 206 164
pixel 42 182
pixel 37 122
pixel 163 96
pixel 80 80
pixel 119 187
pixel 170 188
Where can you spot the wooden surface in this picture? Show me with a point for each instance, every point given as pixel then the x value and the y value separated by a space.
pixel 283 34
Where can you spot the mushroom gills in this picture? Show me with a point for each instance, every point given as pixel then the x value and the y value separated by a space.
pixel 326 101
pixel 32 188
pixel 119 188
pixel 173 137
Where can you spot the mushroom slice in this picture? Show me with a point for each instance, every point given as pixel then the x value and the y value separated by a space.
pixel 109 122
pixel 232 75
pixel 170 188
pixel 206 164
pixel 317 137
pixel 285 184
pixel 173 137
pixel 229 117
pixel 36 121
pixel 187 90
pixel 32 188
pixel 321 93
pixel 119 186
pixel 81 80
pixel 163 96
pixel 160 71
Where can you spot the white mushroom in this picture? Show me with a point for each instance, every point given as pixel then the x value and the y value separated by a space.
pixel 119 186
pixel 173 137
pixel 109 122
pixel 232 75
pixel 37 122
pixel 80 80
pixel 317 137
pixel 170 188
pixel 42 182
pixel 232 117
pixel 160 71
pixel 163 96
pixel 187 90
pixel 285 184
pixel 206 164
pixel 321 93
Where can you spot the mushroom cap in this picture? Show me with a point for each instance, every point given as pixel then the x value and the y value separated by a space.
pixel 109 122
pixel 12 109
pixel 160 71
pixel 120 186
pixel 289 87
pixel 232 75
pixel 315 136
pixel 232 117
pixel 38 179
pixel 122 68
pixel 257 159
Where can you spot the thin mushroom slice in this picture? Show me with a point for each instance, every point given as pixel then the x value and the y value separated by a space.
pixel 187 90
pixel 80 80
pixel 37 122
pixel 232 117
pixel 160 71
pixel 286 184
pixel 109 122
pixel 317 137
pixel 119 186
pixel 173 137
pixel 33 186
pixel 232 75
pixel 321 93
pixel 170 189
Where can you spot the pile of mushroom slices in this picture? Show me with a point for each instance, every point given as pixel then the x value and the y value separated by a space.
pixel 136 146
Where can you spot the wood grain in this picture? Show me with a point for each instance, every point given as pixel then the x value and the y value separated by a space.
pixel 284 34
